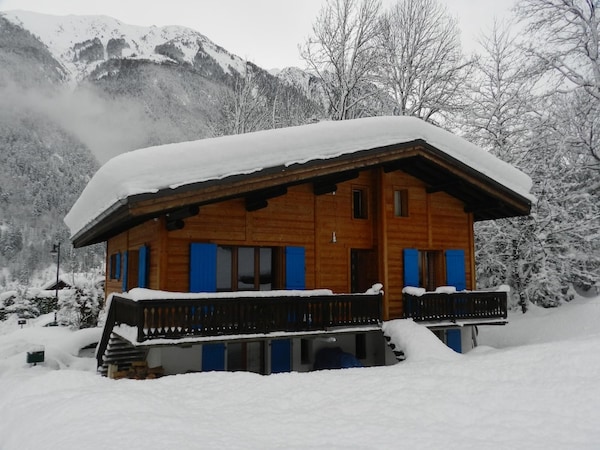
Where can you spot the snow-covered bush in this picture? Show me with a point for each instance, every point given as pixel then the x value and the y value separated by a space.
pixel 79 307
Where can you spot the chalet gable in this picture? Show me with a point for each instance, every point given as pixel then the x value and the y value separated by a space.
pixel 177 180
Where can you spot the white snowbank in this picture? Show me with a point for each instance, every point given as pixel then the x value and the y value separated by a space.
pixel 417 342
pixel 61 345
pixel 138 294
pixel 170 166
pixel 541 395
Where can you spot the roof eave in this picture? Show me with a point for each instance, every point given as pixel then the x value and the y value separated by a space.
pixel 122 215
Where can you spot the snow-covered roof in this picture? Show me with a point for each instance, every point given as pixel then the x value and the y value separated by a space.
pixel 171 166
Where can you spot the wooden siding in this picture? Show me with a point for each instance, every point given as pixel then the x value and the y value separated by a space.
pixel 145 234
pixel 435 222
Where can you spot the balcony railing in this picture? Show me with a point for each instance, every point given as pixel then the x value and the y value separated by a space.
pixel 189 317
pixel 432 306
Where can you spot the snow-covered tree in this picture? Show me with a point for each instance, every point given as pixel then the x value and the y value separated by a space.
pixel 565 37
pixel 79 307
pixel 344 54
pixel 423 68
pixel 543 255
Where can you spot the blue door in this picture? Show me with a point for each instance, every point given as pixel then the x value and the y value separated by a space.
pixel 213 357
pixel 453 340
pixel 281 355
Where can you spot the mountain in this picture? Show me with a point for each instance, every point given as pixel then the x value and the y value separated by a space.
pixel 84 43
pixel 78 90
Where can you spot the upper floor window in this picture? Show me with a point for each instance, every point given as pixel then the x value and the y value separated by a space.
pixel 247 268
pixel 359 203
pixel 401 203
pixel 115 266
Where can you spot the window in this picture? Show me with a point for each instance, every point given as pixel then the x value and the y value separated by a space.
pixel 401 203
pixel 246 268
pixel 132 269
pixel 115 266
pixel 359 203
pixel 430 269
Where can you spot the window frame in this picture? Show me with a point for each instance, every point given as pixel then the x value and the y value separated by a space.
pixel 401 209
pixel 362 211
pixel 234 270
pixel 113 274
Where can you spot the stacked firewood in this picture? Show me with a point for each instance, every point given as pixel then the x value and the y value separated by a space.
pixel 138 370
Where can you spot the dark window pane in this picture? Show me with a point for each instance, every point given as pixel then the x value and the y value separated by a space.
pixel 266 272
pixel 224 258
pixel 401 203
pixel 245 268
pixel 359 204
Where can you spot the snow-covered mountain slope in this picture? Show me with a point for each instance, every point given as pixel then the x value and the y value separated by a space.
pixel 82 43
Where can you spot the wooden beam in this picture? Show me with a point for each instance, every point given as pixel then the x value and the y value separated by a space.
pixel 322 189
pixel 183 213
pixel 487 206
pixel 443 187
pixel 254 204
pixel 328 184
pixel 258 200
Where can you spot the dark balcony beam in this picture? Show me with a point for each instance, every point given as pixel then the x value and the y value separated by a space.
pixel 259 200
pixel 328 184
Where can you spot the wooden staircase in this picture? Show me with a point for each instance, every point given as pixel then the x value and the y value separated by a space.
pixel 120 353
pixel 398 353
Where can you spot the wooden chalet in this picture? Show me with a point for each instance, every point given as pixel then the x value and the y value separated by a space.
pixel 260 251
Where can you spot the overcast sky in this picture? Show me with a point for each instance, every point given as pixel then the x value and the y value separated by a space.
pixel 266 32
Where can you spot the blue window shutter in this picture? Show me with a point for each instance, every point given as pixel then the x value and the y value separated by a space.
pixel 281 355
pixel 411 267
pixel 203 267
pixel 455 269
pixel 295 268
pixel 143 265
pixel 453 340
pixel 213 357
pixel 118 266
pixel 125 255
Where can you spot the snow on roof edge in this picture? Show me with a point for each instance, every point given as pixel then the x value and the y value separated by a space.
pixel 152 169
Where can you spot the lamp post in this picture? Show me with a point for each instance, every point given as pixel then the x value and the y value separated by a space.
pixel 56 251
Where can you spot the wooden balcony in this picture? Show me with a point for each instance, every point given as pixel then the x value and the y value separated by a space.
pixel 228 316
pixel 474 306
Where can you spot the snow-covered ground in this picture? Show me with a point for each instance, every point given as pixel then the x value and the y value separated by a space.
pixel 533 384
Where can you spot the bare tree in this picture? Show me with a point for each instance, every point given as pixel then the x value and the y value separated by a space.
pixel 500 96
pixel 243 107
pixel 343 53
pixel 570 36
pixel 423 67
